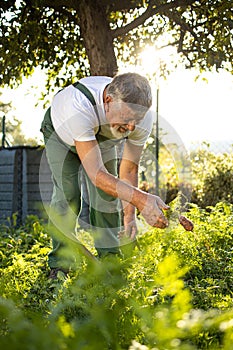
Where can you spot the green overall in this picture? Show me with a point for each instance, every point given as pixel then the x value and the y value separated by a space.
pixel 66 202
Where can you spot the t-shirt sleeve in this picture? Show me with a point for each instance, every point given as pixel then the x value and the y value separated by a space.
pixel 82 126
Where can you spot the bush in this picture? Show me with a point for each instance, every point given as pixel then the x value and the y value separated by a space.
pixel 213 178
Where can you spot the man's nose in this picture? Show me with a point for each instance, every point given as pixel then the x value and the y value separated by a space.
pixel 131 125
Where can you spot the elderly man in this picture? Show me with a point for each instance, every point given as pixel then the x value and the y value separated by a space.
pixel 81 129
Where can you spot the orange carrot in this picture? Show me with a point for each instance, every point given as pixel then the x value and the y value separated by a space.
pixel 186 223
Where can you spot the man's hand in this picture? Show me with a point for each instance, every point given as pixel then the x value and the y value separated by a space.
pixel 152 211
pixel 130 226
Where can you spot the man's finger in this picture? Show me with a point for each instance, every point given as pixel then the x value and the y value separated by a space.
pixel 133 233
pixel 161 222
pixel 162 205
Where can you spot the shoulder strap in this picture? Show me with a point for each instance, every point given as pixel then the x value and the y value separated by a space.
pixel 88 95
pixel 85 91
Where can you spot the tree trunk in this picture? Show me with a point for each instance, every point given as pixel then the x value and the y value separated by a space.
pixel 97 37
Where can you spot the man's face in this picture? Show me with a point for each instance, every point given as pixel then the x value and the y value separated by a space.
pixel 121 118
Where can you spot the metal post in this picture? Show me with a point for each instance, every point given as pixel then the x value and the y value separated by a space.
pixel 157 144
pixel 4 140
pixel 3 131
pixel 19 194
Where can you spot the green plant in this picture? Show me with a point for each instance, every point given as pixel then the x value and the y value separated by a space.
pixel 212 178
pixel 174 291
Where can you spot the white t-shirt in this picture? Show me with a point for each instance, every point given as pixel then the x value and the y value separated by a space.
pixel 74 117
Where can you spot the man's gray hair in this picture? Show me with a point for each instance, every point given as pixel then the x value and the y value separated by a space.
pixel 133 89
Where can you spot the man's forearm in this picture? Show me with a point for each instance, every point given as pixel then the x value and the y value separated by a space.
pixel 120 189
pixel 130 177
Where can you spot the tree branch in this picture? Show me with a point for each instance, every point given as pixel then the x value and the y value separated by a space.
pixel 58 4
pixel 137 22
pixel 185 27
pixel 122 5
pixel 152 9
pixel 181 40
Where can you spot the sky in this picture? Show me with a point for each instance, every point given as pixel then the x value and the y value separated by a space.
pixel 198 110
pixel 201 110
pixel 197 106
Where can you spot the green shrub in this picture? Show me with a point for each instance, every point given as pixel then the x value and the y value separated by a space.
pixel 218 184
pixel 212 178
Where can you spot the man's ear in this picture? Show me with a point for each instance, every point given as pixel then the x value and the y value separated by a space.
pixel 107 100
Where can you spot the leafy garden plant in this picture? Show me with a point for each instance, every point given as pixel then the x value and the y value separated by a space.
pixel 172 291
